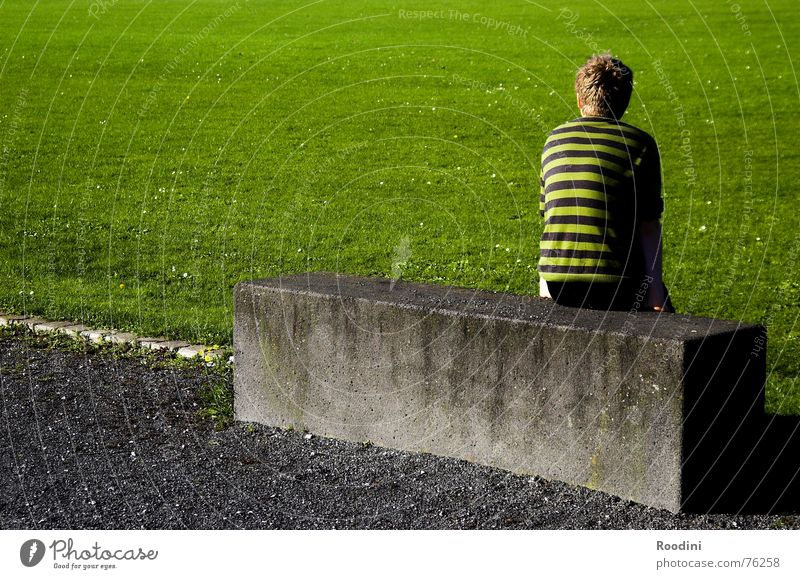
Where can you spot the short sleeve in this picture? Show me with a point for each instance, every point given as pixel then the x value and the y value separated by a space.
pixel 647 182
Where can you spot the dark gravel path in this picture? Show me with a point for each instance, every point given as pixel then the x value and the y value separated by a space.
pixel 93 439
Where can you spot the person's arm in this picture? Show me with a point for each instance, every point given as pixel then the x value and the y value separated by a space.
pixel 650 241
pixel 650 207
pixel 544 292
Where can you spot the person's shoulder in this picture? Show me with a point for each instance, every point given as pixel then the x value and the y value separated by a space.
pixel 564 127
pixel 600 125
pixel 640 133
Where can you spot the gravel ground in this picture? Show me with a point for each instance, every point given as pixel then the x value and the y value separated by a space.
pixel 93 438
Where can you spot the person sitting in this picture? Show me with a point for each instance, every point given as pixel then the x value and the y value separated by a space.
pixel 601 200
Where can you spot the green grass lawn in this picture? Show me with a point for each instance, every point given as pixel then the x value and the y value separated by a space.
pixel 155 153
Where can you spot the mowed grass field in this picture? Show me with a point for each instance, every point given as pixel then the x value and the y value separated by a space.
pixel 155 153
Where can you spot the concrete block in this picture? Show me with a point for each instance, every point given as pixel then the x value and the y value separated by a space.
pixel 659 409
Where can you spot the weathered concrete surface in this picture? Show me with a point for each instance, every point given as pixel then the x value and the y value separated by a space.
pixel 657 409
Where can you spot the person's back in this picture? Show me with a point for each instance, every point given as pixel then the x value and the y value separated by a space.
pixel 601 199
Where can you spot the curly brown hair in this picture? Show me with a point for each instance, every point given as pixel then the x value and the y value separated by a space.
pixel 604 86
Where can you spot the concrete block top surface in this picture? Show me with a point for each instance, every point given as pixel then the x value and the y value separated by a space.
pixel 518 308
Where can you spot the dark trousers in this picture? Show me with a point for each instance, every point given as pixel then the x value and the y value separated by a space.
pixel 625 295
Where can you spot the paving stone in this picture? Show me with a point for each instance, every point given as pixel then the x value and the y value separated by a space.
pixel 150 343
pixel 95 335
pixel 191 351
pixel 33 322
pixel 50 326
pixel 73 330
pixel 172 345
pixel 121 338
pixel 11 319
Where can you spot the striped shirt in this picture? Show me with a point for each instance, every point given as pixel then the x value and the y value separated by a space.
pixel 600 178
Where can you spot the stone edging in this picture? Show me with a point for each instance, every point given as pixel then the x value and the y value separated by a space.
pixel 79 331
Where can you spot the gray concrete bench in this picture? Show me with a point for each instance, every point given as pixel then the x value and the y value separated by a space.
pixel 664 410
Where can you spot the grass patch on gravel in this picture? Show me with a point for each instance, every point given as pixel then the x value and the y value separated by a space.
pixel 217 403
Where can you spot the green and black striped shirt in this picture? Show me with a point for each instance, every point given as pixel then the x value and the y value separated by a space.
pixel 600 178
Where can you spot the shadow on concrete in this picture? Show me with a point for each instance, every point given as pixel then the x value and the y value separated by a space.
pixel 747 465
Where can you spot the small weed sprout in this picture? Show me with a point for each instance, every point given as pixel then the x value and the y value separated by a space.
pixel 216 404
